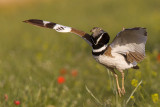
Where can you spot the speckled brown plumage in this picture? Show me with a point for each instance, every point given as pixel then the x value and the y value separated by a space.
pixel 134 56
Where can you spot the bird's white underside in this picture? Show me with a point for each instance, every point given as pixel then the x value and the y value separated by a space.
pixel 117 61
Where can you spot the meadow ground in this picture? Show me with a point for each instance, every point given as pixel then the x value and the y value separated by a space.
pixel 42 68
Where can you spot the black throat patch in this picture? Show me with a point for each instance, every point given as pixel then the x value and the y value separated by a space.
pixel 99 43
pixel 101 39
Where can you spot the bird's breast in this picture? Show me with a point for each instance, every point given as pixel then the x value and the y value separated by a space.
pixel 116 61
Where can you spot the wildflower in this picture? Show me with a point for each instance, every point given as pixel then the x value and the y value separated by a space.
pixel 6 97
pixel 132 97
pixel 154 73
pixel 134 82
pixel 16 102
pixel 63 71
pixel 158 57
pixel 155 97
pixel 61 80
pixel 74 73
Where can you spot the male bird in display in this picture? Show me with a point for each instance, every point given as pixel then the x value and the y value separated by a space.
pixel 124 52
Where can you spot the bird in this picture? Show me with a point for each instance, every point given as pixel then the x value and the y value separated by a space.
pixel 125 51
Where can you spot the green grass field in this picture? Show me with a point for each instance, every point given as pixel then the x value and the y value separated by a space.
pixel 32 58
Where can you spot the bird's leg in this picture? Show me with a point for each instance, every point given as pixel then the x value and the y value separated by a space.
pixel 119 89
pixel 123 89
pixel 116 76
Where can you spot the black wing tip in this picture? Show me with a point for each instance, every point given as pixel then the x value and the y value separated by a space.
pixel 40 23
pixel 32 20
pixel 35 22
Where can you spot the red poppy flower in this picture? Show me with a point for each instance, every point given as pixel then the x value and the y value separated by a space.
pixel 61 80
pixel 17 102
pixel 63 71
pixel 158 57
pixel 74 73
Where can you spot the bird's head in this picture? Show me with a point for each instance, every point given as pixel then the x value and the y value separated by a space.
pixel 97 31
pixel 99 36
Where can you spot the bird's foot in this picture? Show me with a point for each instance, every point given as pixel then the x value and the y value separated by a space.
pixel 123 91
pixel 119 92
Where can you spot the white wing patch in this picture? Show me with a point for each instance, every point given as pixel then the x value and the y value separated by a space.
pixel 61 28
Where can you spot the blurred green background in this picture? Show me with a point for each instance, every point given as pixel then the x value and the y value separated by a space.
pixel 31 58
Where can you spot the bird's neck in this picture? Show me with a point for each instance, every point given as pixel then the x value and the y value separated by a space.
pixel 98 49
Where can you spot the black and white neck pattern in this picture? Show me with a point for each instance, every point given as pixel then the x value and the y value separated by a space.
pixel 99 44
pixel 99 51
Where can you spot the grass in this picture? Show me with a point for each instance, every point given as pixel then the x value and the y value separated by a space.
pixel 31 58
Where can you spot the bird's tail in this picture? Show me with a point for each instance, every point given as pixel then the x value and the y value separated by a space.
pixel 136 67
pixel 47 24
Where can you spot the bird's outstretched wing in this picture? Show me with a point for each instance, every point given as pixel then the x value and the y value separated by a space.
pixel 131 42
pixel 59 28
